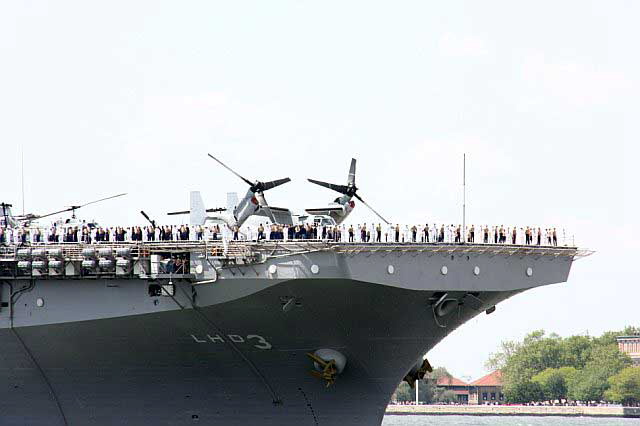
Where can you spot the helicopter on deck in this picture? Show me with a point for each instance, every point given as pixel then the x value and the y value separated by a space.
pixel 30 220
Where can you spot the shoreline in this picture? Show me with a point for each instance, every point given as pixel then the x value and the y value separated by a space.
pixel 513 410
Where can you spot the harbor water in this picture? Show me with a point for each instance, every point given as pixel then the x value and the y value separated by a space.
pixel 420 420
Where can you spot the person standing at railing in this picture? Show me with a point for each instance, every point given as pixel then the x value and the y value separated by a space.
pixel 472 234
pixel 513 236
pixel 555 237
pixel 37 236
pixel 151 233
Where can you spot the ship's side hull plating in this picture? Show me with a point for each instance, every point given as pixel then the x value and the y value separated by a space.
pixel 234 363
pixel 233 350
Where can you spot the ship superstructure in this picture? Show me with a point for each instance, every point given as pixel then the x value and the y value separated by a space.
pixel 229 332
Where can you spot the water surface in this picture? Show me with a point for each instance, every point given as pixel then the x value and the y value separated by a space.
pixel 439 420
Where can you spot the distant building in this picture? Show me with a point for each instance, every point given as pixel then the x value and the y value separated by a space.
pixel 457 386
pixel 631 346
pixel 485 390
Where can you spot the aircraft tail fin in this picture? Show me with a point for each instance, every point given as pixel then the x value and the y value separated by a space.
pixel 232 201
pixel 198 214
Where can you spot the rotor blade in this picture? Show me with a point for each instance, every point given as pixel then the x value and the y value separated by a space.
pixel 371 208
pixel 35 216
pixel 274 183
pixel 351 179
pixel 180 212
pixel 343 189
pixel 146 216
pixel 262 202
pixel 231 170
pixel 101 199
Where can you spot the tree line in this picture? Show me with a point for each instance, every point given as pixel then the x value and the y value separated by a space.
pixel 428 392
pixel 577 368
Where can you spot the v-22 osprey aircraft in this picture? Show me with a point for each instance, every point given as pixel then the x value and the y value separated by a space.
pixel 237 213
pixel 341 207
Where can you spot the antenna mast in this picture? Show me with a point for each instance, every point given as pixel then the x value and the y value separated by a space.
pixel 22 173
pixel 464 197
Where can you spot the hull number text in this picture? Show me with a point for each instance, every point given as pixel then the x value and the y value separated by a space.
pixel 255 340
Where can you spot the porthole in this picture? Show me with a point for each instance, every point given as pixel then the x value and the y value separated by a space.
pixel 444 270
pixel 529 271
pixel 315 269
pixel 273 269
pixel 476 270
pixel 390 269
pixel 40 302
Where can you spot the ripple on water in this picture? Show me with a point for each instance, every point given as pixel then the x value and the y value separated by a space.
pixel 419 420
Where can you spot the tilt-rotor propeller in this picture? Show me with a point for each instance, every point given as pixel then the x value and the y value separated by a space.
pixel 350 189
pixel 217 209
pixel 258 188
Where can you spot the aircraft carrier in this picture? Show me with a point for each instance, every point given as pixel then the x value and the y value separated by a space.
pixel 265 333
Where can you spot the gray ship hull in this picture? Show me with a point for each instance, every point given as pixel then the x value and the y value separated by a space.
pixel 173 368
pixel 103 352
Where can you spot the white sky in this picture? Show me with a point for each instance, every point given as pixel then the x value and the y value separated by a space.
pixel 129 96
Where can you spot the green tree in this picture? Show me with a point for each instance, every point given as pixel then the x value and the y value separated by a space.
pixel 524 360
pixel 630 331
pixel 446 396
pixel 624 387
pixel 438 373
pixel 607 359
pixel 403 393
pixel 590 384
pixel 575 351
pixel 554 382
pixel 523 392
pixel 575 367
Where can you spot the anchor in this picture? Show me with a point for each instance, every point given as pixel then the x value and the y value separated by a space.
pixel 418 373
pixel 328 365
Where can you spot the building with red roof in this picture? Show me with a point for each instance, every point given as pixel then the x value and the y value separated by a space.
pixel 631 346
pixel 457 386
pixel 487 389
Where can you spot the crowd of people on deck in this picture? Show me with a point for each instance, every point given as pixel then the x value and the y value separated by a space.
pixel 360 233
